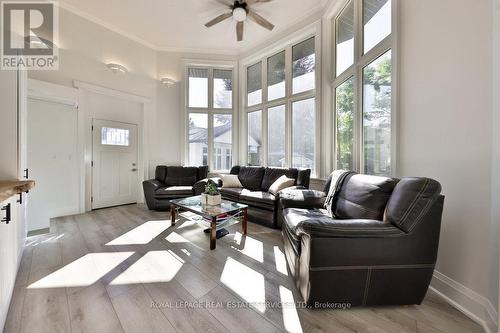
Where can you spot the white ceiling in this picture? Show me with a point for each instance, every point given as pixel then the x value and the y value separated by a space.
pixel 178 25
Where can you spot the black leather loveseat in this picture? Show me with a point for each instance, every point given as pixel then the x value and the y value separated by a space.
pixel 379 248
pixel 173 182
pixel 256 181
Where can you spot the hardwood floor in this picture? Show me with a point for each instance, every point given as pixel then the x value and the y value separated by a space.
pixel 125 269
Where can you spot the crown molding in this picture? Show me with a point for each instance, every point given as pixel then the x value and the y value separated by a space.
pixel 313 12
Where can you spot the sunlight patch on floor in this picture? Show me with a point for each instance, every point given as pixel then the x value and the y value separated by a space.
pixel 142 234
pixel 176 238
pixel 291 319
pixel 82 272
pixel 245 282
pixel 251 247
pixel 154 266
pixel 279 259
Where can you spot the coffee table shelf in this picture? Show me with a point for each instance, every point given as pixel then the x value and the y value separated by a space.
pixel 231 213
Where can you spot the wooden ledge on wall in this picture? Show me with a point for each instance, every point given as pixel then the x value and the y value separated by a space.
pixel 9 188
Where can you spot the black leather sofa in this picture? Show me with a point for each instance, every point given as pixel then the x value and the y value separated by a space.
pixel 379 248
pixel 256 181
pixel 173 182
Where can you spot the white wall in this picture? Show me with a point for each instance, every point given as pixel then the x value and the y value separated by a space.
pixel 445 130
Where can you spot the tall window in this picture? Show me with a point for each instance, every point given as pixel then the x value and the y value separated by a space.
pixel 281 118
pixel 363 86
pixel 210 117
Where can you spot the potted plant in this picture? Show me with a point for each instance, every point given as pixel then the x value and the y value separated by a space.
pixel 212 196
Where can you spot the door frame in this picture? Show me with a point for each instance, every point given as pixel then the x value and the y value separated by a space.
pixel 85 133
pixel 137 157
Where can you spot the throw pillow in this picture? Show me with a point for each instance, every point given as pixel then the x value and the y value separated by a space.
pixel 280 184
pixel 230 181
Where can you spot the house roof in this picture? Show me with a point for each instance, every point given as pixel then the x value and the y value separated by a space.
pixel 199 134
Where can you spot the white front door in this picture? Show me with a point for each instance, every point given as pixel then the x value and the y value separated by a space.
pixel 114 160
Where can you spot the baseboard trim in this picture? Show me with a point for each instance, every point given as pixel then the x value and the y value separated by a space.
pixel 466 300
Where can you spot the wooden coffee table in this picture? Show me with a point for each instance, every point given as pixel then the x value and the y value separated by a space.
pixel 213 217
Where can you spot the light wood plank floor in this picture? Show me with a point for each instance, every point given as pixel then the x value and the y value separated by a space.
pixel 125 269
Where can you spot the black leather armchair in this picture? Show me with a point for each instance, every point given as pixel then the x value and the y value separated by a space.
pixel 379 248
pixel 173 182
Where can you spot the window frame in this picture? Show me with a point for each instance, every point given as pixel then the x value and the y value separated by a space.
pixel 311 31
pixel 210 111
pixel 361 61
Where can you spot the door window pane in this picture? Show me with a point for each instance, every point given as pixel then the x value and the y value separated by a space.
pixel 276 136
pixel 223 89
pixel 377 21
pixel 345 39
pixel 198 88
pixel 303 134
pixel 198 139
pixel 254 84
pixel 223 139
pixel 304 61
pixel 114 136
pixel 276 76
pixel 344 96
pixel 377 78
pixel 254 138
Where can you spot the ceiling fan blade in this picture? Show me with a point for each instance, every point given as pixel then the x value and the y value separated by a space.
pixel 260 20
pixel 251 2
pixel 239 31
pixel 218 19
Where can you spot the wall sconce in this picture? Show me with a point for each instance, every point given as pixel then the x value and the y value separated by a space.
pixel 116 68
pixel 167 81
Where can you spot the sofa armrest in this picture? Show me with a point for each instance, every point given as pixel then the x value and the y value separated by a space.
pixel 150 187
pixel 307 199
pixel 359 228
pixel 199 186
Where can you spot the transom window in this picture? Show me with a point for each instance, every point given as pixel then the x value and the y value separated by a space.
pixel 114 136
pixel 210 117
pixel 281 108
pixel 363 87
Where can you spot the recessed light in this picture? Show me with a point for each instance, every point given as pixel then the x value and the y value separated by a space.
pixel 167 81
pixel 117 68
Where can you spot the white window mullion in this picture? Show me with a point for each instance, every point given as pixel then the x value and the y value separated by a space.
pixel 288 112
pixel 265 139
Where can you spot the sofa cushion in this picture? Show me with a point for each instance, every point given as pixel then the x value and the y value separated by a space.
pixel 316 223
pixel 280 184
pixel 181 176
pixel 363 197
pixel 251 177
pixel 410 201
pixel 231 193
pixel 202 172
pixel 174 191
pixel 258 198
pixel 230 181
pixel 273 174
pixel 161 173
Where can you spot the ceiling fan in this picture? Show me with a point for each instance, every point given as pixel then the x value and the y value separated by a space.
pixel 239 11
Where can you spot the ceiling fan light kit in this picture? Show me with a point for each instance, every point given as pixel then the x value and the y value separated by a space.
pixel 240 10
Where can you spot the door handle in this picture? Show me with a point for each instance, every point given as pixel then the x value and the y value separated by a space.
pixel 6 219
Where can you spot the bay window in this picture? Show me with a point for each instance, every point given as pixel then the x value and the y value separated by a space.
pixel 281 118
pixel 363 87
pixel 210 99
